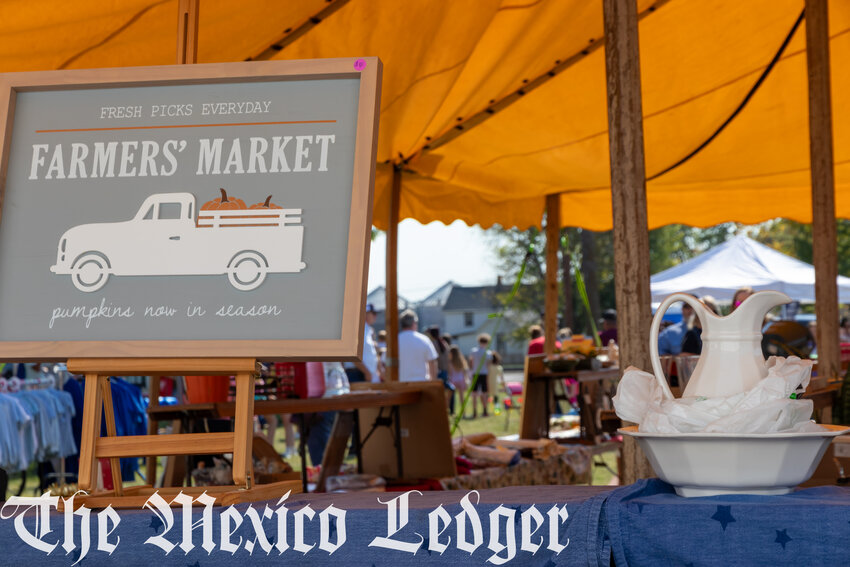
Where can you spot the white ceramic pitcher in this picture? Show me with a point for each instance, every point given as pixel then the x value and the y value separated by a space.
pixel 731 360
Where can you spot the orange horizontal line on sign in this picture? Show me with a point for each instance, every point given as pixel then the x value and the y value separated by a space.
pixel 185 126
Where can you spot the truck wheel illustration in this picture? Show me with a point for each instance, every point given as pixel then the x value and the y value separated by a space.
pixel 247 270
pixel 90 272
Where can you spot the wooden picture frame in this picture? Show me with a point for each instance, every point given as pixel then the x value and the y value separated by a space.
pixel 349 344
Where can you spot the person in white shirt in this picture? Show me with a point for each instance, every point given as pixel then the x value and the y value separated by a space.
pixel 371 358
pixel 417 357
pixel 371 369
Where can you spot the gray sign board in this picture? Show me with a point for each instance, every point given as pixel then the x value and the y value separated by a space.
pixel 184 210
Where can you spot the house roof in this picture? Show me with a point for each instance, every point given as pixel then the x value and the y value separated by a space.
pixel 378 298
pixel 439 297
pixel 470 298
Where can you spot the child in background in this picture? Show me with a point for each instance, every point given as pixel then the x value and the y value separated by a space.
pixel 479 362
pixel 458 371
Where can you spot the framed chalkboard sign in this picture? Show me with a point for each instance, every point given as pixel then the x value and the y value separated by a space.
pixel 187 211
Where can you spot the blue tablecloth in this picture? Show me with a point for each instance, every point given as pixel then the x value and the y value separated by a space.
pixel 642 524
pixel 648 524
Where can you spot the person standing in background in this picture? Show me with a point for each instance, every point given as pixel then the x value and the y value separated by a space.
pixel 739 296
pixel 496 379
pixel 381 346
pixel 844 330
pixel 692 341
pixel 670 339
pixel 458 371
pixel 417 357
pixel 442 349
pixel 536 341
pixel 371 354
pixel 370 369
pixel 443 364
pixel 609 327
pixel 479 362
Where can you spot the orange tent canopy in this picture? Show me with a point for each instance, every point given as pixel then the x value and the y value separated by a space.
pixel 490 105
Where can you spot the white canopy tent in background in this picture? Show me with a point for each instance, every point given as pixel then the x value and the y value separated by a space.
pixel 740 262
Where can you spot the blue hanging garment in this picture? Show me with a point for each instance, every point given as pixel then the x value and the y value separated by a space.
pixel 35 426
pixel 131 418
pixel 75 390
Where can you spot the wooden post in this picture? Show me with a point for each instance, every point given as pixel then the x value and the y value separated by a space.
pixel 391 310
pixel 824 232
pixel 628 191
pixel 187 53
pixel 553 242
pixel 187 31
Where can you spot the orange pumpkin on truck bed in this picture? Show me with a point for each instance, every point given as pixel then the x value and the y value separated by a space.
pixel 224 202
pixel 265 205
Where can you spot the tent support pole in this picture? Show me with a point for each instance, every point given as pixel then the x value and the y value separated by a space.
pixel 187 53
pixel 391 310
pixel 187 31
pixel 628 191
pixel 553 242
pixel 824 231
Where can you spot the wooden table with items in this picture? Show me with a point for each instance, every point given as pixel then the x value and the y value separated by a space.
pixel 596 417
pixel 398 413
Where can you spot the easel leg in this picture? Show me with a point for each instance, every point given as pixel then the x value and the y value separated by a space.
pixel 243 431
pixel 150 473
pixel 109 414
pixel 90 432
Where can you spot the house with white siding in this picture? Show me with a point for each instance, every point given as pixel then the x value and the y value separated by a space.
pixel 464 312
pixel 467 313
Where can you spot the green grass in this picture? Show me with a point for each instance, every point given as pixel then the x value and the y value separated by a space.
pixel 499 424
pixel 602 475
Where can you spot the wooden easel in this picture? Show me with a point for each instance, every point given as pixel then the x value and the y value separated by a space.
pixel 98 397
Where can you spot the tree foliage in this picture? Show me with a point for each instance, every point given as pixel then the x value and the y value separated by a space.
pixel 668 246
pixel 795 239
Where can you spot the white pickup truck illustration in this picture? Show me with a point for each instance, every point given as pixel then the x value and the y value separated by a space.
pixel 164 239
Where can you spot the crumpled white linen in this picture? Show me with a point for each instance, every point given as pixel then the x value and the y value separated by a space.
pixel 766 408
